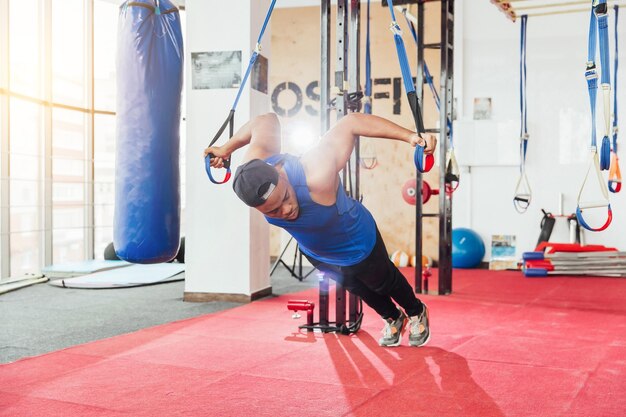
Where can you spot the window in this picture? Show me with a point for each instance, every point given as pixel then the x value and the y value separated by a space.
pixel 51 159
pixel 68 52
pixel 24 47
pixel 105 40
pixel 68 185
pixel 25 187
pixel 104 182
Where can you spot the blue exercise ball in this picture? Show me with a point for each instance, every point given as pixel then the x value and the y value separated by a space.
pixel 468 248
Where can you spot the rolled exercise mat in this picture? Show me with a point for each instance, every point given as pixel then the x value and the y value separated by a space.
pixel 149 85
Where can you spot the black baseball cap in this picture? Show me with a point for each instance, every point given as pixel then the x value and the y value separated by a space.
pixel 254 182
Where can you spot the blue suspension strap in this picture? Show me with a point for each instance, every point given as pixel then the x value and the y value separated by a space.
pixel 602 16
pixel 423 162
pixel 453 173
pixel 597 21
pixel 615 175
pixel 523 192
pixel 230 120
pixel 368 162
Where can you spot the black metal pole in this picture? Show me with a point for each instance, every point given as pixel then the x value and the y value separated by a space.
pixel 341 107
pixel 445 114
pixel 325 67
pixel 354 78
pixel 324 126
pixel 419 90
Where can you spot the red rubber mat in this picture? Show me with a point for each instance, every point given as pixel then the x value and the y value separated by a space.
pixel 502 345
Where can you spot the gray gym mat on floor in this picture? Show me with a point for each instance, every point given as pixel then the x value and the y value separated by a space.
pixel 74 269
pixel 128 276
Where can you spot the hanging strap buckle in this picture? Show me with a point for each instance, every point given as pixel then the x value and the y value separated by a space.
pixel 600 9
pixel 395 28
pixel 591 72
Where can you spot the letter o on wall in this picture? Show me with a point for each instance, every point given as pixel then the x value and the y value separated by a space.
pixel 276 93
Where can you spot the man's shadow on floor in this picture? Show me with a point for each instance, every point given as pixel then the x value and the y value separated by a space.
pixel 425 381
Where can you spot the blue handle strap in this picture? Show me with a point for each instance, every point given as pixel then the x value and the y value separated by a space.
pixel 615 67
pixel 583 223
pixel 591 74
pixel 594 168
pixel 423 162
pixel 523 193
pixel 601 14
pixel 522 95
pixel 255 54
pixel 522 79
pixel 429 80
pixel 230 119
pixel 452 172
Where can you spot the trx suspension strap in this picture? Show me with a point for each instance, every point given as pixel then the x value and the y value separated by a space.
pixel 367 99
pixel 423 162
pixel 452 168
pixel 230 120
pixel 597 23
pixel 523 193
pixel 615 175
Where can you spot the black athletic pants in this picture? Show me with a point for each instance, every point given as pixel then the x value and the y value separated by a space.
pixel 377 281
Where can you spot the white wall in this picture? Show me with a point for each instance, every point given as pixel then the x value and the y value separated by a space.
pixel 227 243
pixel 558 118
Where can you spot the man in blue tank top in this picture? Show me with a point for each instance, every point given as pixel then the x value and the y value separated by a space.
pixel 335 232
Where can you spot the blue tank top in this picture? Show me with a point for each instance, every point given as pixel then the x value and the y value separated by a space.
pixel 343 234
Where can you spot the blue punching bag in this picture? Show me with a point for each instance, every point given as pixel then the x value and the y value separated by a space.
pixel 147 177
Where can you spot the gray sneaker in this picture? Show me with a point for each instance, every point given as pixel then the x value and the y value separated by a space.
pixel 419 330
pixel 393 330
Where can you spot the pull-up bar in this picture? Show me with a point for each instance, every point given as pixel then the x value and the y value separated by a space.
pixel 515 8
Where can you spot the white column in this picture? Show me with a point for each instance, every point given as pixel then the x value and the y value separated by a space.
pixel 227 243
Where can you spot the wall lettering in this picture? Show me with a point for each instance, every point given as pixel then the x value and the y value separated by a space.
pixel 386 89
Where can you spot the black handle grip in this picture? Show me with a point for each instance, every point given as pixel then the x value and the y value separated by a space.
pixel 416 110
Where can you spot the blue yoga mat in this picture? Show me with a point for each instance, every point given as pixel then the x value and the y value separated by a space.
pixel 131 276
pixel 73 269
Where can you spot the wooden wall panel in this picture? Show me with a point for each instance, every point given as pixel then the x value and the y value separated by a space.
pixel 296 60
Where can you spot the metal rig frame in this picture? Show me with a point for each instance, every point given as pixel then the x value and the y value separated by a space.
pixel 446 46
pixel 346 81
pixel 347 67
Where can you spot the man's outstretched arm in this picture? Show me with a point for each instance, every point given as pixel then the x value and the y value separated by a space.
pixel 338 143
pixel 262 134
